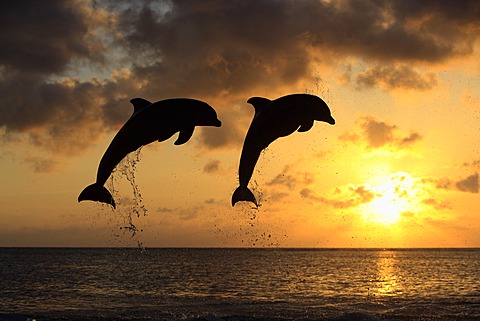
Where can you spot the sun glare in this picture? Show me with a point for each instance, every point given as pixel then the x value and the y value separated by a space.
pixel 392 197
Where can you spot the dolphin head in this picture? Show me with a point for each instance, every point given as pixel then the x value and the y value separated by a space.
pixel 322 113
pixel 205 115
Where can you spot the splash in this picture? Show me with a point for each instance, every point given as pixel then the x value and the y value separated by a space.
pixel 249 228
pixel 255 233
pixel 127 168
pixel 129 209
pixel 321 88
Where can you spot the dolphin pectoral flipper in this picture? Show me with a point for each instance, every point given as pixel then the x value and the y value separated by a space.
pixel 184 136
pixel 306 126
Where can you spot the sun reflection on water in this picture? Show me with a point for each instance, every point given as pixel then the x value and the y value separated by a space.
pixel 387 281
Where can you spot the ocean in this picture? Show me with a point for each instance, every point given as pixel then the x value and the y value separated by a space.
pixel 239 284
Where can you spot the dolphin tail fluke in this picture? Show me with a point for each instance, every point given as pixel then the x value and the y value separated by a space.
pixel 97 193
pixel 243 194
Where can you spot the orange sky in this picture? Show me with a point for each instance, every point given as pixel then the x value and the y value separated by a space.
pixel 398 169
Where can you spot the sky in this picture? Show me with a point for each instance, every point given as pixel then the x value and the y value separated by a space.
pixel 400 168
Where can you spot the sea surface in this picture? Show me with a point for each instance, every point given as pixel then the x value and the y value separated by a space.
pixel 239 284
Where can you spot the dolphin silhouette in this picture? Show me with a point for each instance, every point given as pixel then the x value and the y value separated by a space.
pixel 150 122
pixel 274 119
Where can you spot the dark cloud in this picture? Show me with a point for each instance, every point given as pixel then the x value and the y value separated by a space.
pixel 218 47
pixel 39 37
pixel 395 30
pixel 236 46
pixel 207 50
pixel 41 42
pixel 32 102
pixel 63 116
pixel 378 134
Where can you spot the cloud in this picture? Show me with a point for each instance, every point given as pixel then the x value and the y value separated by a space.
pixel 474 164
pixel 63 116
pixel 391 77
pixel 41 106
pixel 43 38
pixel 435 203
pixel 165 210
pixel 212 50
pixel 190 213
pixel 232 45
pixel 438 183
pixel 212 166
pixel 401 31
pixel 285 178
pixel 399 192
pixel 410 139
pixel 221 46
pixel 289 178
pixel 469 184
pixel 40 165
pixel 343 197
pixel 232 133
pixel 377 133
pixel 380 134
pixel 185 214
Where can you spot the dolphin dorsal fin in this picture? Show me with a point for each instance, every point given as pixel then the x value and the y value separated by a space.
pixel 139 104
pixel 259 103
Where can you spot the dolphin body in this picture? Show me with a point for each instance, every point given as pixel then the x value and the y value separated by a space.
pixel 274 119
pixel 150 122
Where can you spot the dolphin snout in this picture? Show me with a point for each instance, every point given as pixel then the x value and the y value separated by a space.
pixel 217 123
pixel 331 121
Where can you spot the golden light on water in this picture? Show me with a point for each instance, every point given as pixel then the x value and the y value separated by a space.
pixel 393 196
pixel 386 282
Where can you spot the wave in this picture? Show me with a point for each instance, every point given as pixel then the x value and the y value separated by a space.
pixel 352 316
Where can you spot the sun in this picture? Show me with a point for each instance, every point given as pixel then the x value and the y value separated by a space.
pixel 392 197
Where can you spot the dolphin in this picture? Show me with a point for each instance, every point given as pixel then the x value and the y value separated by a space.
pixel 150 122
pixel 274 119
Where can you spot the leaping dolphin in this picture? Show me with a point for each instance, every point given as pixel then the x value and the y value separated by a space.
pixel 274 119
pixel 150 122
